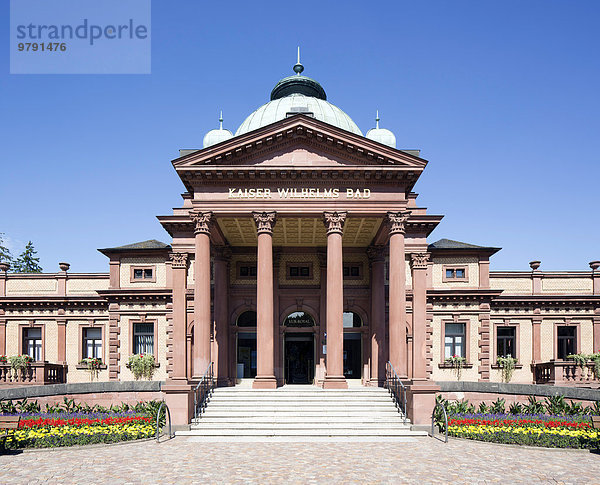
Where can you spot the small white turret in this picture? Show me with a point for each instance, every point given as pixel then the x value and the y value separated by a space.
pixel 216 136
pixel 381 135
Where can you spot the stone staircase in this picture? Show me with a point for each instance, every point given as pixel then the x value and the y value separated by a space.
pixel 301 413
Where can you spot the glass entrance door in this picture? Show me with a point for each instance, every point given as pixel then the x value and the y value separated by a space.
pixel 246 358
pixel 352 355
pixel 299 358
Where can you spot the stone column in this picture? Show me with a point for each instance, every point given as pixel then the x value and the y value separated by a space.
pixel 179 353
pixel 397 296
pixel 378 347
pixel 221 311
pixel 334 377
pixel 419 327
pixel 265 374
pixel 202 320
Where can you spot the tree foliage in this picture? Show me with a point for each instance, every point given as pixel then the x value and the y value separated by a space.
pixel 5 254
pixel 27 262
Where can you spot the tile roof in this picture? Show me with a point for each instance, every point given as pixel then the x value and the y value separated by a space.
pixel 149 244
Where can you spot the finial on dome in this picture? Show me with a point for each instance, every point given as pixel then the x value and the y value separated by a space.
pixel 217 136
pixel 298 68
pixel 381 135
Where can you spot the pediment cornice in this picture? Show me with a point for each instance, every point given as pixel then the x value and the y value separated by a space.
pixel 299 130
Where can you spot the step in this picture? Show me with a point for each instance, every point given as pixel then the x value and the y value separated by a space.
pixel 299 419
pixel 301 432
pixel 267 426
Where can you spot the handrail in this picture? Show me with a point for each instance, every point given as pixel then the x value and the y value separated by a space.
pixel 203 391
pixel 396 388
pixel 171 435
pixel 439 404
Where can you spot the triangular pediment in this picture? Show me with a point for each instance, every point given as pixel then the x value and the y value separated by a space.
pixel 302 142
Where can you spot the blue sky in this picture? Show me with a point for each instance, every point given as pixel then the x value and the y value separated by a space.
pixel 501 97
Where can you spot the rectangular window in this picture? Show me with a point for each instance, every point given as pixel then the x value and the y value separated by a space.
pixel 32 343
pixel 352 271
pixel 506 342
pixel 143 338
pixel 454 273
pixel 92 343
pixel 567 342
pixel 454 341
pixel 143 273
pixel 247 271
pixel 299 271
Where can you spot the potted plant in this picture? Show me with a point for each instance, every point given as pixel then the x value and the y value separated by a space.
pixel 142 365
pixel 93 366
pixel 18 364
pixel 507 364
pixel 457 363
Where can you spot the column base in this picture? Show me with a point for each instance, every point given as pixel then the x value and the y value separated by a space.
pixel 375 382
pixel 335 382
pixel 264 382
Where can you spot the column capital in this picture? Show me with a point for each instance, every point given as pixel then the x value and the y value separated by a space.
pixel 334 221
pixel 396 221
pixel 419 260
pixel 265 221
pixel 178 260
pixel 202 221
pixel 376 253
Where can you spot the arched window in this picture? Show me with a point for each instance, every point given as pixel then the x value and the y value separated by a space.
pixel 247 319
pixel 352 319
pixel 299 319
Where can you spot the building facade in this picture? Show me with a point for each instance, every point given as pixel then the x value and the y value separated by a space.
pixel 300 254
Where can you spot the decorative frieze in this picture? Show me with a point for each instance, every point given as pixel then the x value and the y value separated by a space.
pixel 334 221
pixel 397 221
pixel 202 221
pixel 265 221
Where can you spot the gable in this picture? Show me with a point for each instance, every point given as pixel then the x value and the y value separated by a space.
pixel 299 141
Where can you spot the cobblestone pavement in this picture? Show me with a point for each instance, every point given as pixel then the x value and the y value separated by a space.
pixel 183 460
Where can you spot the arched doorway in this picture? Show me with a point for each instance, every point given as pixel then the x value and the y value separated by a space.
pixel 299 348
pixel 352 345
pixel 246 345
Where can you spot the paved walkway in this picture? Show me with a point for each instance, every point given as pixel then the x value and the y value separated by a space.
pixel 183 461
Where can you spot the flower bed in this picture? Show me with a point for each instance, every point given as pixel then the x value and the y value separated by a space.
pixel 528 429
pixel 42 430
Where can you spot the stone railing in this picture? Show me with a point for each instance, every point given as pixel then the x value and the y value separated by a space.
pixel 565 373
pixel 36 373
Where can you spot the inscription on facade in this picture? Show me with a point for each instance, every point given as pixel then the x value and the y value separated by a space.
pixel 302 193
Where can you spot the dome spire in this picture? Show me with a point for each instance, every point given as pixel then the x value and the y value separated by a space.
pixel 221 120
pixel 298 68
pixel 377 120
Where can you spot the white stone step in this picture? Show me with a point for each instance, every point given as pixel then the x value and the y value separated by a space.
pixel 300 413
pixel 301 432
